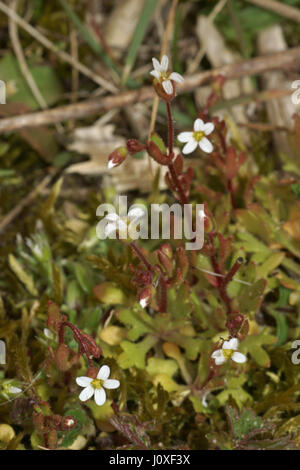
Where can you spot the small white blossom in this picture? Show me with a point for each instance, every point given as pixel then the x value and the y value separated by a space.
pixel 115 222
pixel 162 74
pixel 229 351
pixel 197 138
pixel 95 386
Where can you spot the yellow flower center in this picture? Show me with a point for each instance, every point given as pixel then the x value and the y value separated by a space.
pixel 164 76
pixel 97 383
pixel 227 353
pixel 198 135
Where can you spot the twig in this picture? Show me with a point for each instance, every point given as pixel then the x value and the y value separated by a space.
pixel 278 7
pixel 52 47
pixel 13 30
pixel 194 65
pixel 74 54
pixel 281 60
pixel 17 47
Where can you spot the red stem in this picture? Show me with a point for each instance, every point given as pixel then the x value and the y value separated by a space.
pixel 176 182
pixel 77 336
pixel 222 282
pixel 140 255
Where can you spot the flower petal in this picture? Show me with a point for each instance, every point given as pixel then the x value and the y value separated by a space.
pixel 111 164
pixel 136 213
pixel 238 357
pixel 206 145
pixel 176 77
pixel 83 381
pixel 156 64
pixel 208 128
pixel 167 86
pixel 164 64
pixel 100 396
pixel 103 373
pixel 155 74
pixel 109 228
pixel 218 357
pixel 231 344
pixel 190 146
pixel 112 217
pixel 184 136
pixel 111 383
pixel 198 125
pixel 86 393
pixel 12 389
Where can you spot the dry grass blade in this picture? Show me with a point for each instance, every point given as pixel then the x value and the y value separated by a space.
pixel 62 55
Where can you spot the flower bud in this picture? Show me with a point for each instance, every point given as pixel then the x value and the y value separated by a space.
pixel 171 350
pixel 162 93
pixel 166 262
pixel 156 154
pixel 167 250
pixel 117 157
pixel 68 422
pixel 62 357
pixel 54 317
pixel 157 149
pixel 145 296
pixel 182 261
pixel 52 439
pixel 134 146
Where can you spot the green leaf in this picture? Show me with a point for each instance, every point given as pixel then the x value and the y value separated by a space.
pixel 132 429
pixel 253 344
pixel 44 77
pixel 134 354
pixel 71 435
pixel 109 293
pixel 138 320
pixel 138 36
pixel 157 365
pixel 21 274
pixel 243 423
pixel 251 296
pixel 95 46
pixel 270 264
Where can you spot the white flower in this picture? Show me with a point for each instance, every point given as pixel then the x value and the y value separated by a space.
pixel 115 222
pixel 162 74
pixel 198 137
pixel 229 351
pixel 95 386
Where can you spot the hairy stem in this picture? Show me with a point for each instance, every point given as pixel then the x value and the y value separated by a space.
pixel 176 182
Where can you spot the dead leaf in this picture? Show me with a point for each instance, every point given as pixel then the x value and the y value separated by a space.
pixel 98 142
